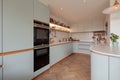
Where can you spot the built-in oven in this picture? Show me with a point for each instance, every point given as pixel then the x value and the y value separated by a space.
pixel 41 34
pixel 41 45
pixel 41 57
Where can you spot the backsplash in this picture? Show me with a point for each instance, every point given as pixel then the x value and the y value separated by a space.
pixel 82 36
pixel 58 36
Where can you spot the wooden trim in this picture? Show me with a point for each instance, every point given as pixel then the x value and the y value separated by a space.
pixel 15 52
pixel 41 22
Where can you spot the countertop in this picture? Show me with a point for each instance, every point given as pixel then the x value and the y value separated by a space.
pixel 60 43
pixel 105 50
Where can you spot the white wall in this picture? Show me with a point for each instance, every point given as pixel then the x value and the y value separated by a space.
pixel 83 36
pixel 115 22
pixel 88 26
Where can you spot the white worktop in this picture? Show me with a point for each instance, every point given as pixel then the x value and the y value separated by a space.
pixel 105 50
pixel 80 42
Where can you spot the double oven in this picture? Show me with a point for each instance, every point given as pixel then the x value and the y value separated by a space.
pixel 41 45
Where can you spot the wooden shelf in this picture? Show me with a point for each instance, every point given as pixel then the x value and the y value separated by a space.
pixel 60 30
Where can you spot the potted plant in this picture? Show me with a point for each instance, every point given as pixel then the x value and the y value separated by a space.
pixel 114 39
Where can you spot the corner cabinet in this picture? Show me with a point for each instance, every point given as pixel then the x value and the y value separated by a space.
pixel 104 67
pixel 17 35
pixel 41 12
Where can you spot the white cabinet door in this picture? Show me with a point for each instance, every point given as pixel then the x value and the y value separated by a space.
pixel 0 26
pixel 17 35
pixel 114 68
pixel 70 48
pixel 41 12
pixel 75 48
pixel 1 68
pixel 84 48
pixel 59 52
pixel 18 66
pixel 0 38
pixel 99 67
pixel 17 24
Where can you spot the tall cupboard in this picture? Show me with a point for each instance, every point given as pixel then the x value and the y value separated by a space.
pixel 41 12
pixel 0 39
pixel 16 39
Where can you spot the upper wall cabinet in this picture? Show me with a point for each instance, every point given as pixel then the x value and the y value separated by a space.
pixel 17 24
pixel 41 12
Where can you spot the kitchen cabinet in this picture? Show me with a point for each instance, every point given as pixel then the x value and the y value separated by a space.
pixel 84 47
pixel 104 67
pixel 114 64
pixel 81 47
pixel 0 26
pixel 41 12
pixel 18 66
pixel 17 24
pixel 17 35
pixel 0 38
pixel 75 47
pixel 99 67
pixel 1 68
pixel 59 52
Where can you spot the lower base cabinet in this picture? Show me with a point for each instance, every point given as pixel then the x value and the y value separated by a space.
pixel 81 47
pixel 18 66
pixel 1 68
pixel 114 63
pixel 104 67
pixel 59 52
pixel 99 67
pixel 0 73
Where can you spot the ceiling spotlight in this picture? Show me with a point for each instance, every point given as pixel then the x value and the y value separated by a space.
pixel 61 8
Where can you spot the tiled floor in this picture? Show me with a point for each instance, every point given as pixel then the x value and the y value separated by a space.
pixel 75 67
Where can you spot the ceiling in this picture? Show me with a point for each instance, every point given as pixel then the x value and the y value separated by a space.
pixel 77 11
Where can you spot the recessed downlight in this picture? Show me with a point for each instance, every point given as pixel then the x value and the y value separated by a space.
pixel 61 8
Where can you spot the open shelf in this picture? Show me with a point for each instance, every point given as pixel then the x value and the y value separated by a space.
pixel 59 28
